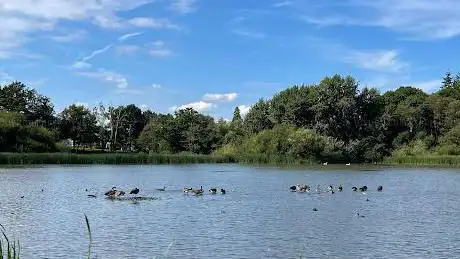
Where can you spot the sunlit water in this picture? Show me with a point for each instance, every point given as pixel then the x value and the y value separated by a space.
pixel 416 215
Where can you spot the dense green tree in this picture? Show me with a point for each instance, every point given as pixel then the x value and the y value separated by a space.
pixel 258 118
pixel 79 124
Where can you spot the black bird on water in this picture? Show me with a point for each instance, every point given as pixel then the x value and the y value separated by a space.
pixel 213 190
pixel 315 209
pixel 354 188
pixel 134 191
pixel 222 191
pixel 379 188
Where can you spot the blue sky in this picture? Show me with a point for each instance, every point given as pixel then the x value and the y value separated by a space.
pixel 214 55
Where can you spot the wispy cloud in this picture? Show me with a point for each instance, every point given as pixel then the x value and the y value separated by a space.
pixel 82 63
pixel 282 4
pixel 183 6
pixel 159 49
pixel 379 60
pixel 421 19
pixel 248 33
pixel 129 91
pixel 147 22
pixel 70 36
pixel 118 80
pixel 220 97
pixel 126 49
pixel 197 106
pixel 129 35
pixel 428 86
pixel 156 86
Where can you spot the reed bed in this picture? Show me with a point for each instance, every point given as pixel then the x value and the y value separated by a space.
pixel 8 249
pixel 424 160
pixel 109 158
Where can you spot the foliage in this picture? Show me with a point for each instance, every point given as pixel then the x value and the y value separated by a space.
pixel 335 120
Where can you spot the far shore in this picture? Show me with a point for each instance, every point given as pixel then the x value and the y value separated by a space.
pixel 37 159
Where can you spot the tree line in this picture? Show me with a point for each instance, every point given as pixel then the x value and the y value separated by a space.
pixel 333 121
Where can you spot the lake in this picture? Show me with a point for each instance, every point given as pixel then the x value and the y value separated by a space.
pixel 414 217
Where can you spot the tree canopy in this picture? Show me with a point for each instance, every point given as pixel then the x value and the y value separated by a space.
pixel 334 120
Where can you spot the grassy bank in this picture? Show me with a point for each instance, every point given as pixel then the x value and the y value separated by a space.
pixel 108 158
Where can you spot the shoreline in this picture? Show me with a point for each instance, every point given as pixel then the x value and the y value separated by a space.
pixel 14 160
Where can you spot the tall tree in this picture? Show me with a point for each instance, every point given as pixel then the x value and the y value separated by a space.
pixel 79 124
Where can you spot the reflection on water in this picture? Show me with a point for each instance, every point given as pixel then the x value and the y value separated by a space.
pixel 414 217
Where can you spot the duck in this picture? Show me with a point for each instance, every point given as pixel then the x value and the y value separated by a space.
pixel 354 188
pixel 110 192
pixel 363 189
pixel 330 188
pixel 315 209
pixel 340 188
pixel 222 191
pixel 134 191
pixel 360 216
pixel 162 189
pixel 379 188
pixel 293 188
pixel 213 190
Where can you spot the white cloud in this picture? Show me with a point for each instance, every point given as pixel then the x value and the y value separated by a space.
pixel 197 106
pixel 146 22
pixel 420 19
pixel 156 86
pixel 128 91
pixel 381 60
pixel 144 107
pixel 428 86
pixel 129 35
pixel 21 18
pixel 282 4
pixel 158 49
pixel 220 97
pixel 249 34
pixel 5 78
pixel 244 109
pixel 183 6
pixel 108 76
pixel 70 36
pixel 126 49
pixel 83 64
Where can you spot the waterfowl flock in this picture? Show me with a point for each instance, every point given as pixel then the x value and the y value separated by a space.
pixel 306 188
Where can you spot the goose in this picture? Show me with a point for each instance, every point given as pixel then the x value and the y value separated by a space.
pixel 213 190
pixel 119 193
pixel 379 188
pixel 348 164
pixel 162 189
pixel 222 191
pixel 363 189
pixel 186 189
pixel 134 191
pixel 293 188
pixel 198 192
pixel 354 188
pixel 110 192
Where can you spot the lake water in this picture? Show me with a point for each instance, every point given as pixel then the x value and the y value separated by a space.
pixel 414 217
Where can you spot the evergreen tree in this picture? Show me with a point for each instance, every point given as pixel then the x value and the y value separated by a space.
pixel 447 81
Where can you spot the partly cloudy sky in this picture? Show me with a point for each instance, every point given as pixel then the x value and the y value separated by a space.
pixel 217 55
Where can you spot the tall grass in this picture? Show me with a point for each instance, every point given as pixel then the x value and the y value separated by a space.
pixel 424 160
pixel 109 158
pixel 8 250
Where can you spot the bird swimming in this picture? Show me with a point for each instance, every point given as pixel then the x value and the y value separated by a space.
pixel 360 216
pixel 340 188
pixel 222 191
pixel 162 189
pixel 354 188
pixel 379 188
pixel 134 191
pixel 110 192
pixel 213 190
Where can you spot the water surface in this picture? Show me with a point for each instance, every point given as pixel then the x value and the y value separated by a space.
pixel 414 217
